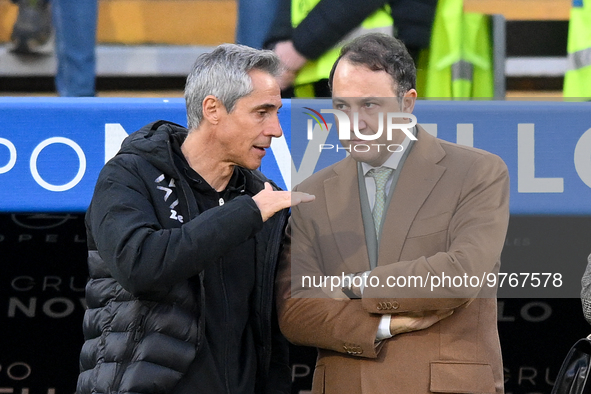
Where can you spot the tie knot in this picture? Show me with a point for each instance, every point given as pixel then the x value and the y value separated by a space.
pixel 380 175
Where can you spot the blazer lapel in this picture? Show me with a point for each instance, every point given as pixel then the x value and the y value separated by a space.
pixel 344 212
pixel 418 177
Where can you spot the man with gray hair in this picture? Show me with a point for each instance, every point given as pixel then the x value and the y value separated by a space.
pixel 183 237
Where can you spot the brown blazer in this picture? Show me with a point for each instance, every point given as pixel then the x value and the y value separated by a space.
pixel 448 214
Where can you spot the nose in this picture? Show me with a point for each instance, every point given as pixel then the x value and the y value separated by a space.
pixel 274 129
pixel 356 121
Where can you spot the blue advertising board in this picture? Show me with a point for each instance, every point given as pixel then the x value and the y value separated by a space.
pixel 52 149
pixel 546 145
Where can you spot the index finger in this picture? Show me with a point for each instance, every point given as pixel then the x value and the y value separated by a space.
pixel 299 197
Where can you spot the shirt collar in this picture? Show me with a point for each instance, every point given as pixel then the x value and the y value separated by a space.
pixel 394 159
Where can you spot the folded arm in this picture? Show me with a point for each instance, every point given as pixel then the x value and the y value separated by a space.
pixel 476 234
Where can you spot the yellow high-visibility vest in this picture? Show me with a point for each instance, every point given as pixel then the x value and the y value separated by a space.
pixel 313 71
pixel 460 55
pixel 577 79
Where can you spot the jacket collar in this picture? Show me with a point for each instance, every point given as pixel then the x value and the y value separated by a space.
pixel 153 142
pixel 418 177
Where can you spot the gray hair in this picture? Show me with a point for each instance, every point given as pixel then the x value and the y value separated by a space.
pixel 223 73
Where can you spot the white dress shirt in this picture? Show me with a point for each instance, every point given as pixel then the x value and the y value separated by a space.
pixel 370 185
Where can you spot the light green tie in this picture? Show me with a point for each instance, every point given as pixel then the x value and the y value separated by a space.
pixel 380 175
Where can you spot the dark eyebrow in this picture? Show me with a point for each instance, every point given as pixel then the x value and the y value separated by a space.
pixel 361 100
pixel 267 106
pixel 368 99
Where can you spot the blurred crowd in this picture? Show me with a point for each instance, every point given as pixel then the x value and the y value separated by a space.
pixel 452 49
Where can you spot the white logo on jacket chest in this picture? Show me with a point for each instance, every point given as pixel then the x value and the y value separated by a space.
pixel 167 192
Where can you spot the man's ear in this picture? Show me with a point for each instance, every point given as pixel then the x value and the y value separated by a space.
pixel 408 101
pixel 212 109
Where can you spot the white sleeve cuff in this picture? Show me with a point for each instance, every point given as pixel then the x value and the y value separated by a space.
pixel 384 328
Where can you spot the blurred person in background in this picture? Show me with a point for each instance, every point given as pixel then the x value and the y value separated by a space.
pixel 75 25
pixel 586 291
pixel 307 35
pixel 254 21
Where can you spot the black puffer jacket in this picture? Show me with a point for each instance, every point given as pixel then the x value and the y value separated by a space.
pixel 148 247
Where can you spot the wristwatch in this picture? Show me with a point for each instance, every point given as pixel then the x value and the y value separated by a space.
pixel 348 289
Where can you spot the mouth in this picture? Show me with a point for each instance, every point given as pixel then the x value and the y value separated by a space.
pixel 358 141
pixel 261 149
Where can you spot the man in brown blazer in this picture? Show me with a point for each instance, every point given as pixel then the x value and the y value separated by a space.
pixel 444 213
